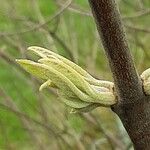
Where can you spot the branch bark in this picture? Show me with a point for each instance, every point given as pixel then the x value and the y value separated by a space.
pixel 133 105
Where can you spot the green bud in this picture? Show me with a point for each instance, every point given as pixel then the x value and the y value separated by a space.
pixel 76 88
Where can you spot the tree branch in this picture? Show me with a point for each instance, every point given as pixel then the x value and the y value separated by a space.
pixel 133 107
pixel 111 31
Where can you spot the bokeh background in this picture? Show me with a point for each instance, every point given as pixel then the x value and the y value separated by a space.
pixel 33 120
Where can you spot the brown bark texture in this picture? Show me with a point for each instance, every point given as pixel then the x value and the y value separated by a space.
pixel 133 107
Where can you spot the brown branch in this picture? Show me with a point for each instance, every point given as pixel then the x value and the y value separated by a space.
pixel 117 50
pixel 133 106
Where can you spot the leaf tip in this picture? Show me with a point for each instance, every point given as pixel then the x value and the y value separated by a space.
pixel 32 48
pixel 19 61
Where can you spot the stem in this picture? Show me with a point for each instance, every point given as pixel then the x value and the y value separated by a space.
pixel 112 34
pixel 133 107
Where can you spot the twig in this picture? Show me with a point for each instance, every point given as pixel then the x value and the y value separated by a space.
pixel 66 5
pixel 138 14
pixel 141 4
pixel 52 131
pixel 111 139
pixel 8 59
pixel 20 114
pixel 61 42
pixel 87 13
pixel 77 10
pixel 137 28
pixel 129 4
pixel 8 102
pixel 55 36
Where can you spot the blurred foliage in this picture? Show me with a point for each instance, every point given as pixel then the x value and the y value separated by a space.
pixel 32 120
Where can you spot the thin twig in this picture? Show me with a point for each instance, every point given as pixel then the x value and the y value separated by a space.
pixel 139 29
pixel 58 13
pixel 9 102
pixel 111 139
pixel 138 14
pixel 88 13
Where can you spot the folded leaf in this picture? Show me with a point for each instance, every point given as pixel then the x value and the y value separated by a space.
pixel 46 72
pixel 76 88
pixel 44 53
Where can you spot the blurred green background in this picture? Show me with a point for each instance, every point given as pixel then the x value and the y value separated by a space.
pixel 33 120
